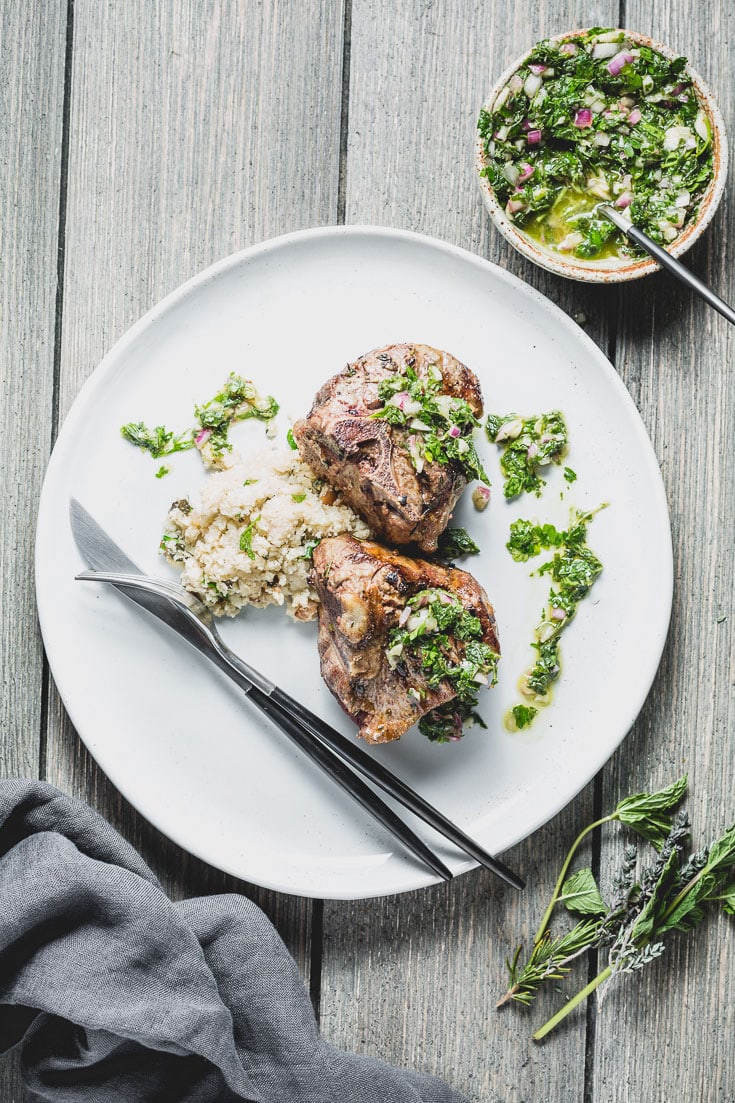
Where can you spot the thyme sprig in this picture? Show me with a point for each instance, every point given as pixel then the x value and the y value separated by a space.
pixel 671 893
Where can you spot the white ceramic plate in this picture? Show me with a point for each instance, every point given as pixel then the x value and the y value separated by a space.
pixel 174 736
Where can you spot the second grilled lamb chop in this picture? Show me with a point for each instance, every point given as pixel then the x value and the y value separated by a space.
pixel 401 639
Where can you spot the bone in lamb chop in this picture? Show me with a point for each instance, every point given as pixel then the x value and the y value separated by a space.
pixel 393 433
pixel 401 640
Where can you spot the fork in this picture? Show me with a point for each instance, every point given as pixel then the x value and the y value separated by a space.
pixel 324 744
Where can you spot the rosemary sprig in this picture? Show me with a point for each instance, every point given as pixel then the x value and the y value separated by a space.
pixel 669 894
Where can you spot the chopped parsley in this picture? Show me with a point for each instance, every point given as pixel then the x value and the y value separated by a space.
pixel 309 546
pixel 444 641
pixel 291 440
pixel 246 537
pixel 573 569
pixel 237 401
pixel 173 547
pixel 439 426
pixel 528 539
pixel 528 444
pixel 159 441
pixel 299 497
pixel 523 715
pixel 453 543
pixel 569 475
pixel 162 471
pixel 597 116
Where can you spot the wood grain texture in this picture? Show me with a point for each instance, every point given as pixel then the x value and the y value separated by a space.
pixel 32 96
pixel 414 979
pixel 676 356
pixel 196 129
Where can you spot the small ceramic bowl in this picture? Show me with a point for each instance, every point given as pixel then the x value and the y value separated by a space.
pixel 612 269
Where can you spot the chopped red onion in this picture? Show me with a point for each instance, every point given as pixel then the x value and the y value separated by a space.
pixel 202 436
pixel 526 171
pixel 405 614
pixel 615 64
pixel 582 117
pixel 539 69
pixel 568 48
pixel 532 450
pixel 634 117
pixel 514 205
pixel 624 200
pixel 526 124
pixel 516 82
pixel 455 431
pixel 533 137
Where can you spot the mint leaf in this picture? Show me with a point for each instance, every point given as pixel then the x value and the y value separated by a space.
pixel 728 898
pixel 722 853
pixel 646 812
pixel 581 895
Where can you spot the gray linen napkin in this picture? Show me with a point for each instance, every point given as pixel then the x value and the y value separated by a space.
pixel 117 995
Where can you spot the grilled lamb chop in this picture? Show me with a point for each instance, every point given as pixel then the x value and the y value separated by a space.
pixel 375 430
pixel 372 600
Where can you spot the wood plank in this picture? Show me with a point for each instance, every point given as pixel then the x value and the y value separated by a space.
pixel 676 356
pixel 414 979
pixel 32 96
pixel 32 91
pixel 196 129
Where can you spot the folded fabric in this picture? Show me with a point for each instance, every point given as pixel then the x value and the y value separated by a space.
pixel 114 993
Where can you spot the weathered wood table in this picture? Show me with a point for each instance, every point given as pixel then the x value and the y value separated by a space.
pixel 142 140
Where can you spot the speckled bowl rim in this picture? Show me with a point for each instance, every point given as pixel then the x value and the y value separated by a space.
pixel 602 271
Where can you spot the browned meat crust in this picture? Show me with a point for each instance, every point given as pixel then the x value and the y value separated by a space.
pixel 363 587
pixel 368 460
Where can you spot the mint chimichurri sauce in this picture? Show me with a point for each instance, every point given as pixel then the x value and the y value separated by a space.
pixel 597 118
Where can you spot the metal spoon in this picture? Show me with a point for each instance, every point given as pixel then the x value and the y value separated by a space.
pixel 667 261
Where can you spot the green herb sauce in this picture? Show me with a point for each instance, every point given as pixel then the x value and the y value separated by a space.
pixel 454 543
pixel 446 641
pixel 573 570
pixel 237 401
pixel 528 444
pixel 597 117
pixel 440 425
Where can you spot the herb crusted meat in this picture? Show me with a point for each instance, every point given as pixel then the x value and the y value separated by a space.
pixel 393 433
pixel 401 640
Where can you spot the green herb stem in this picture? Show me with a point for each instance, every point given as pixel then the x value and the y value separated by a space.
pixel 562 876
pixel 580 997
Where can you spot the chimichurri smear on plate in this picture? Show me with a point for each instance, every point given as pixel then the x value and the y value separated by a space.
pixel 597 118
pixel 528 444
pixel 573 569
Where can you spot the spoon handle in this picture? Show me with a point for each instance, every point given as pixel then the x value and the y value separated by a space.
pixel 667 261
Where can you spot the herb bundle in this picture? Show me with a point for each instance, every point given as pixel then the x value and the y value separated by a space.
pixel 671 893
